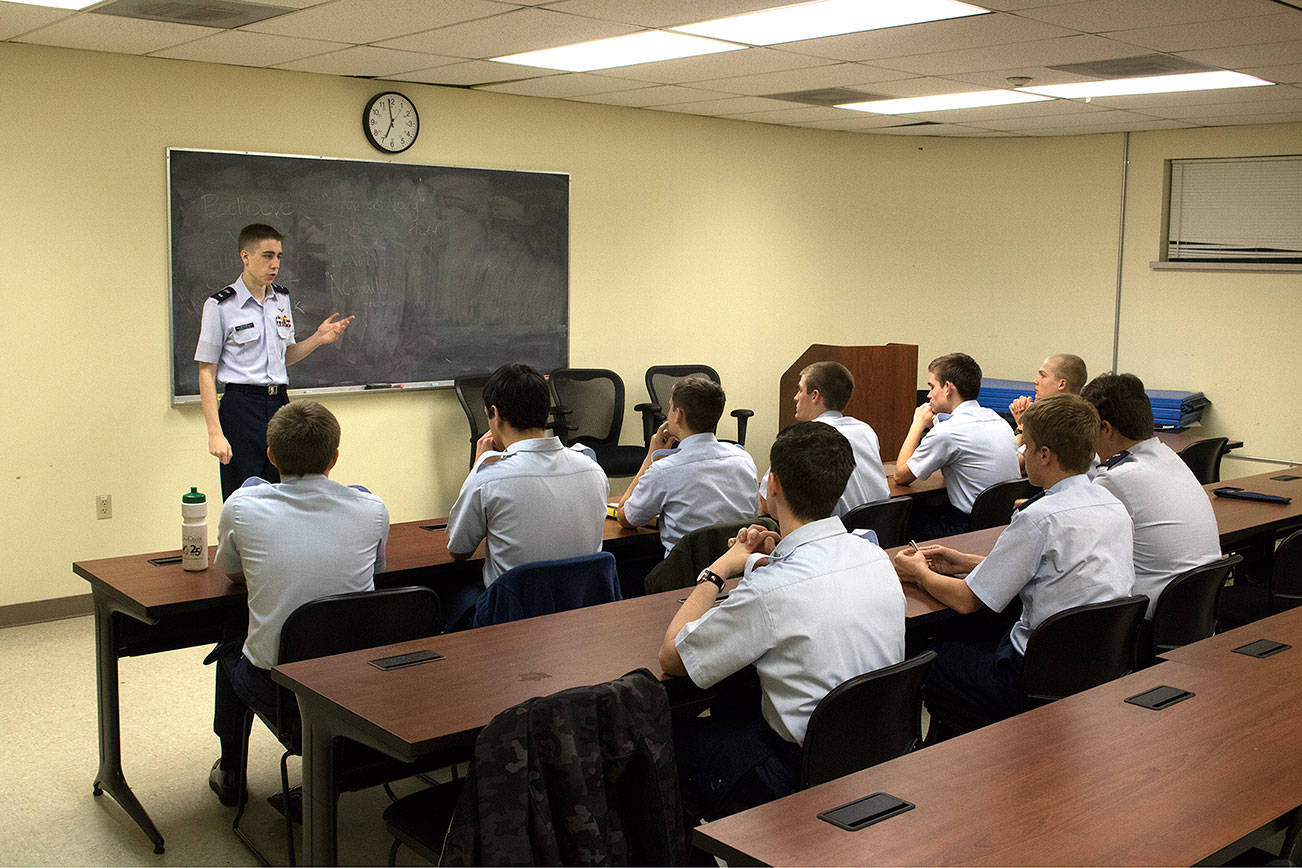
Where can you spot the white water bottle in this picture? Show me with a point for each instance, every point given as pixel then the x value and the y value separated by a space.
pixel 194 530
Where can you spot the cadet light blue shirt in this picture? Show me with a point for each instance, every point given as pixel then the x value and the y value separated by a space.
pixel 974 448
pixel 537 501
pixel 1175 527
pixel 1070 547
pixel 867 481
pixel 827 607
pixel 247 340
pixel 296 540
pixel 702 482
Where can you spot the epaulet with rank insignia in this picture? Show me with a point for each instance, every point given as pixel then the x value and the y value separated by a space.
pixel 1116 459
pixel 279 290
pixel 222 294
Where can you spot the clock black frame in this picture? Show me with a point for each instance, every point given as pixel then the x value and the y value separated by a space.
pixel 366 127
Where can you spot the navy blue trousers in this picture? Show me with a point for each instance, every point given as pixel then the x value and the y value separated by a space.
pixel 244 412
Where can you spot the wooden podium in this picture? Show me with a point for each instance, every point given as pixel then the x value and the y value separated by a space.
pixel 885 388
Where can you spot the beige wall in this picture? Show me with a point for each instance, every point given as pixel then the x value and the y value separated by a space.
pixel 692 239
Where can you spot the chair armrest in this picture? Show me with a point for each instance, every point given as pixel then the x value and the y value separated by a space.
pixel 559 422
pixel 651 418
pixel 742 417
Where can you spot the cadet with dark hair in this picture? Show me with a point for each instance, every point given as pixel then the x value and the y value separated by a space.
pixel 689 478
pixel 971 445
pixel 1065 547
pixel 816 606
pixel 529 496
pixel 1175 528
pixel 246 340
pixel 821 395
pixel 291 542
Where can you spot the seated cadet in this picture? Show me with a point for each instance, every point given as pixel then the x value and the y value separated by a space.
pixel 700 482
pixel 1059 374
pixel 821 608
pixel 531 497
pixel 824 390
pixel 1065 547
pixel 291 542
pixel 973 447
pixel 1175 528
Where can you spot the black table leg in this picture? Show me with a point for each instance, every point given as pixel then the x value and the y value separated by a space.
pixel 110 778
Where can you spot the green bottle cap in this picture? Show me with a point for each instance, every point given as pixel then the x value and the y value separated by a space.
pixel 194 496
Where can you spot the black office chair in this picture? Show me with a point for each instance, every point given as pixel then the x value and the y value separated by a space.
pixel 1080 648
pixel 694 552
pixel 660 381
pixel 994 506
pixel 867 720
pixel 1204 458
pixel 889 518
pixel 589 406
pixel 335 625
pixel 1185 611
pixel 470 393
pixel 545 587
pixel 1286 574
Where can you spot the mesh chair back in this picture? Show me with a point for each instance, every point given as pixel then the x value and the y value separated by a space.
pixel 660 381
pixel 1204 458
pixel 1186 609
pixel 994 506
pixel 1081 647
pixel 594 398
pixel 548 586
pixel 694 552
pixel 867 720
pixel 1286 573
pixel 470 393
pixel 888 518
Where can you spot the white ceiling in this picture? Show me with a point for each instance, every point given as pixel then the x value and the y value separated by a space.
pixel 448 42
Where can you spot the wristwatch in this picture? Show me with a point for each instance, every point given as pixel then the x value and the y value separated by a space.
pixel 708 575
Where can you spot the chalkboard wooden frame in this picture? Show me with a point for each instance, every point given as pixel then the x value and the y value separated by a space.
pixel 450 270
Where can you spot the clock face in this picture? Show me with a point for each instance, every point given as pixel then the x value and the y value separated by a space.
pixel 390 122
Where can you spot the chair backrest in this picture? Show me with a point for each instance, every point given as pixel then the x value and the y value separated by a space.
pixel 995 505
pixel 593 401
pixel 660 381
pixel 888 518
pixel 1186 609
pixel 548 586
pixel 349 622
pixel 1081 647
pixel 867 720
pixel 470 393
pixel 1286 572
pixel 1204 458
pixel 694 552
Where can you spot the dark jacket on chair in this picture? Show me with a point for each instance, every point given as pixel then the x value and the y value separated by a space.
pixel 694 552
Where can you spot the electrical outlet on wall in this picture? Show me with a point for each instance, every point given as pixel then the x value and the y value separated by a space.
pixel 104 506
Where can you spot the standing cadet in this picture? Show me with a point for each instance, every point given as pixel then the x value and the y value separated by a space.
pixel 246 340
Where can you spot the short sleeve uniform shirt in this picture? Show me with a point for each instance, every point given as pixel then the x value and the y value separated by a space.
pixel 1175 528
pixel 974 448
pixel 702 482
pixel 295 541
pixel 827 607
pixel 867 481
pixel 537 501
pixel 1068 547
pixel 247 340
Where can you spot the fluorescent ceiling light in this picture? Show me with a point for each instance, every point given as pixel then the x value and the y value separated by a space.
pixel 827 18
pixel 940 102
pixel 1149 84
pixel 627 50
pixel 60 4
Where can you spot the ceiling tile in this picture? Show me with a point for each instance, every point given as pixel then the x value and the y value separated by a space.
pixel 1153 102
pixel 1267 107
pixel 362 21
pixel 243 48
pixel 1080 119
pixel 1243 56
pixel 1047 108
pixel 565 85
pixel 1216 34
pixel 726 106
pixel 929 130
pixel 515 31
pixel 1103 129
pixel 648 97
pixel 1100 16
pixel 748 61
pixel 1016 5
pixel 463 73
pixel 928 38
pixel 661 13
pixel 111 33
pixel 997 78
pixel 1291 74
pixel 809 78
pixel 364 60
pixel 795 115
pixel 18 18
pixel 1228 120
pixel 858 121
pixel 1046 52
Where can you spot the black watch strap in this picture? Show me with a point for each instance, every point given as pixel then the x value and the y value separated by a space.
pixel 708 575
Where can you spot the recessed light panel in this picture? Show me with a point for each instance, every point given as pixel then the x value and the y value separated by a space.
pixel 1149 84
pixel 941 102
pixel 59 4
pixel 627 50
pixel 827 18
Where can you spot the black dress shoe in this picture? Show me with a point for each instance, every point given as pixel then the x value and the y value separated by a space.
pixel 295 806
pixel 223 783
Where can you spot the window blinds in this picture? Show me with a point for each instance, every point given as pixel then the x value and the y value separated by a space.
pixel 1236 210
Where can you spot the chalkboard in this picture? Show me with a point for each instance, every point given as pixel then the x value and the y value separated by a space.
pixel 449 270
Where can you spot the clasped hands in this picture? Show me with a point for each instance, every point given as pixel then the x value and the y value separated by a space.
pixel 910 564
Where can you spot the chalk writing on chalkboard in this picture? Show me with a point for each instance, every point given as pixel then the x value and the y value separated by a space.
pixel 449 270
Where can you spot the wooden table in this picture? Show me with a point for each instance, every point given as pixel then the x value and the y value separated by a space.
pixel 1242 520
pixel 1217 652
pixel 1178 440
pixel 141 608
